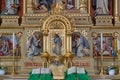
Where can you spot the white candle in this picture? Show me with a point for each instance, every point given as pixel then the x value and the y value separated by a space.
pixel 13 40
pixel 101 39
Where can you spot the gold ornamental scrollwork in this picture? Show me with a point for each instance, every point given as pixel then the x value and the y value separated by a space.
pixel 57 25
pixel 52 18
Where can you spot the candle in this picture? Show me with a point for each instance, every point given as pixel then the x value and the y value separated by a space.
pixel 101 39
pixel 13 40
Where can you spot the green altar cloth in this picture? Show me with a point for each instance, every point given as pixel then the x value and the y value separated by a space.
pixel 83 77
pixel 40 77
pixel 75 76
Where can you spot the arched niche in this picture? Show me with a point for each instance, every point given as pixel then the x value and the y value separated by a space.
pixel 57 24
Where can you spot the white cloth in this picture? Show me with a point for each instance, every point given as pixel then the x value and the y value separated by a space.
pixel 36 71
pixel 45 71
pixel 80 70
pixel 72 70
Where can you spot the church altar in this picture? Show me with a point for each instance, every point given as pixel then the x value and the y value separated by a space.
pixel 58 34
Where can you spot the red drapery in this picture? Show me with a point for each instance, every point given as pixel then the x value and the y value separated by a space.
pixel 20 12
pixel 111 7
pixel 2 4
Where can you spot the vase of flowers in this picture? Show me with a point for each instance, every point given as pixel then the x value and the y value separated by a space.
pixel 2 70
pixel 112 70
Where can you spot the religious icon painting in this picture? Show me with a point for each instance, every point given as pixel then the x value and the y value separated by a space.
pixel 104 44
pixel 10 44
pixel 34 43
pixel 11 7
pixel 80 45
pixel 47 5
pixel 77 5
pixel 56 42
pixel 67 5
pixel 102 7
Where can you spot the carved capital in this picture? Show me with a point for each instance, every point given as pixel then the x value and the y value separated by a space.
pixel 94 34
pixel 45 32
pixel 115 34
pixel 69 32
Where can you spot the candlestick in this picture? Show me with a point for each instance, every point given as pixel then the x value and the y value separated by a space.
pixel 13 53
pixel 101 39
pixel 101 51
pixel 101 71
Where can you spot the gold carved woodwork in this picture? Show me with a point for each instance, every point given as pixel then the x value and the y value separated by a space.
pixel 57 25
pixel 56 19
pixel 83 6
pixel 54 23
pixel 104 20
pixel 57 8
pixel 9 20
pixel 29 7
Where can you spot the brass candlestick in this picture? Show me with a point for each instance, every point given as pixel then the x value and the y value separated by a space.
pixel 45 56
pixel 68 57
pixel 101 71
pixel 14 71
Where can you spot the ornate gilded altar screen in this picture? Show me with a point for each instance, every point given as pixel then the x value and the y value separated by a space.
pixel 60 25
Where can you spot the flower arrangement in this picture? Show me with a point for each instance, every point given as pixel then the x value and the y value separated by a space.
pixel 3 67
pixel 2 70
pixel 112 70
pixel 112 67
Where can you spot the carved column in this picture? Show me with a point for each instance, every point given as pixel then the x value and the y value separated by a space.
pixel 29 6
pixel 45 41
pixel 116 12
pixel 115 36
pixel 24 12
pixel 45 55
pixel 70 38
pixel 68 41
pixel 115 44
pixel 24 7
pixel 89 4
pixel 68 55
